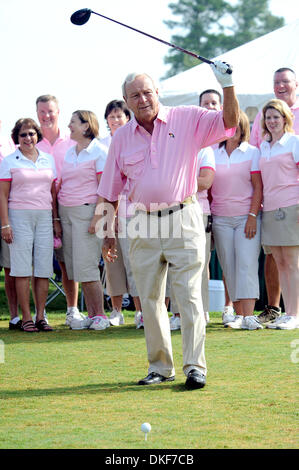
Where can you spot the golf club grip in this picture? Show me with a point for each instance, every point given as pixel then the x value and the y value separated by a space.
pixel 203 59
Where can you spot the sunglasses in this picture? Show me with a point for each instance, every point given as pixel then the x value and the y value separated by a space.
pixel 25 134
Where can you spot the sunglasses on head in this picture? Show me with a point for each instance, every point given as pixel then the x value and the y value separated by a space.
pixel 24 134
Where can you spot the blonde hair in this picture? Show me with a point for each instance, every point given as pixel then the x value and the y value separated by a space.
pixel 284 110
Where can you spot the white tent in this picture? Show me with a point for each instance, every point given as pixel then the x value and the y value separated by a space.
pixel 253 63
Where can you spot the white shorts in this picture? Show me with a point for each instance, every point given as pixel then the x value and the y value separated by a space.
pixel 32 243
pixel 238 256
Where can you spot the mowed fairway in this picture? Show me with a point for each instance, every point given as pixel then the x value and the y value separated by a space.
pixel 77 389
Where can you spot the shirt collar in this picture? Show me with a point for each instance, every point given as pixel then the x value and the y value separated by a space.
pixel 242 147
pixel 282 141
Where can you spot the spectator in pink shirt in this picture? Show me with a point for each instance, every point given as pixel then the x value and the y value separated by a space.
pixel 279 165
pixel 6 148
pixel 27 204
pixel 236 202
pixel 80 174
pixel 57 143
pixel 285 88
pixel 155 154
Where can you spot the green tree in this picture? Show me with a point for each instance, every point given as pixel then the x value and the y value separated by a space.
pixel 212 28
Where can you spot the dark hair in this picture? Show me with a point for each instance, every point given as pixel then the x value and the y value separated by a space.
pixel 117 104
pixel 93 124
pixel 210 91
pixel 284 69
pixel 29 123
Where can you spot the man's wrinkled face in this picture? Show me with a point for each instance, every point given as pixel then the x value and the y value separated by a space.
pixel 142 98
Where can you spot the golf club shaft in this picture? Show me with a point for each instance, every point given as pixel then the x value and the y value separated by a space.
pixel 203 59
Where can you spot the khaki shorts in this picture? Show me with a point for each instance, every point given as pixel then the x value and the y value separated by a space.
pixel 116 278
pixel 81 249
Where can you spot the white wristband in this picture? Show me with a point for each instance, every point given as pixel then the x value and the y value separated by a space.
pixel 251 213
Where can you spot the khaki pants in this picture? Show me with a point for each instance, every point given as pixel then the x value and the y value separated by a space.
pixel 205 276
pixel 151 256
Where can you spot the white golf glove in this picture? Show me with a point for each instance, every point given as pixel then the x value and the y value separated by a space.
pixel 219 68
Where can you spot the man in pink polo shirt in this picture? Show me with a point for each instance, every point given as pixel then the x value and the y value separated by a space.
pixel 56 144
pixel 155 154
pixel 284 87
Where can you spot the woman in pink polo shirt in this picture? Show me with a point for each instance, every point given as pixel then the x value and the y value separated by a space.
pixel 77 196
pixel 237 195
pixel 279 165
pixel 27 204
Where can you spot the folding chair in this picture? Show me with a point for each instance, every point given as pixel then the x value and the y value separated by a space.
pixel 55 282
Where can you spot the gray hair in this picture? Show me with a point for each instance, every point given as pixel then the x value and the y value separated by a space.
pixel 130 78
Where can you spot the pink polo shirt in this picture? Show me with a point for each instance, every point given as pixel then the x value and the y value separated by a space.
pixel 57 150
pixel 256 131
pixel 79 182
pixel 232 188
pixel 279 167
pixel 30 182
pixel 6 146
pixel 206 160
pixel 160 168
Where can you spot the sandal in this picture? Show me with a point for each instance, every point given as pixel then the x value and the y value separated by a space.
pixel 42 325
pixel 29 327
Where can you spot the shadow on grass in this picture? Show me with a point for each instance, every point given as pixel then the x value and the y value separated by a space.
pixel 117 387
pixel 63 334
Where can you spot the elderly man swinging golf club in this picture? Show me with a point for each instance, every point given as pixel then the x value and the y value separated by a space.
pixel 155 154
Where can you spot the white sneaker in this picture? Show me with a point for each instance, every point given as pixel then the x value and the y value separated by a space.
pixel 140 322
pixel 228 315
pixel 236 324
pixel 73 313
pixel 175 322
pixel 137 317
pixel 116 318
pixel 207 317
pixel 99 322
pixel 45 317
pixel 285 322
pixel 80 324
pixel 251 323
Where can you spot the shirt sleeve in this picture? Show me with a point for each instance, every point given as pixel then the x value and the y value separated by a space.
pixel 113 180
pixel 101 160
pixel 256 131
pixel 206 159
pixel 5 173
pixel 255 168
pixel 296 149
pixel 210 128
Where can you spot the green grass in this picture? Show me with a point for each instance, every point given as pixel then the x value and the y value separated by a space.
pixel 77 389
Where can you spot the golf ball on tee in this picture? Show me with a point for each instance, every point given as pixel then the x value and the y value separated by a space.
pixel 146 427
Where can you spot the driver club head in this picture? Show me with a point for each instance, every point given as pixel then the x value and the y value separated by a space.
pixel 81 16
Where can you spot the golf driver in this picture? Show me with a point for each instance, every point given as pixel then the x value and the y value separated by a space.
pixel 81 17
